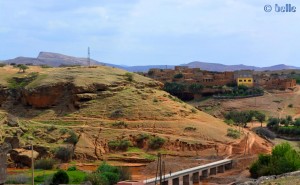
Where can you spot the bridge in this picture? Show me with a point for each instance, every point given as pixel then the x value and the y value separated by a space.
pixel 192 175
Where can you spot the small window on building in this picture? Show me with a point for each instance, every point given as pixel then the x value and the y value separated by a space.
pixel 249 80
pixel 240 80
pixel 245 80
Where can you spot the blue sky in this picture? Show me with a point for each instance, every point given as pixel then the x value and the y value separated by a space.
pixel 144 32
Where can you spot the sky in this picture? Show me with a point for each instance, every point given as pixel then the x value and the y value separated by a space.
pixel 153 32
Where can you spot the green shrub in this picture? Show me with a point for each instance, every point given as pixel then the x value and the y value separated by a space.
pixel 97 179
pixel 60 177
pixel 235 134
pixel 196 88
pixel 290 105
pixel 113 174
pixel 117 113
pixel 40 178
pixel 120 124
pixel 179 75
pixel 119 145
pixel 73 138
pixel 18 83
pixel 194 110
pixel 112 177
pixel 156 142
pixel 45 66
pixel 192 129
pixel 273 122
pixel 140 139
pixel 72 168
pixel 22 67
pixel 297 122
pixel 50 128
pixel 64 153
pixel 282 160
pixel 2 64
pixel 229 122
pixel 129 76
pixel 45 164
pixel 124 173
pixel 63 130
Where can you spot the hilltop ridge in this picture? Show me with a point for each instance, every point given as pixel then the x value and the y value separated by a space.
pixel 56 59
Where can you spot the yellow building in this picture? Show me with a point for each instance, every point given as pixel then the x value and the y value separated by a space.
pixel 245 81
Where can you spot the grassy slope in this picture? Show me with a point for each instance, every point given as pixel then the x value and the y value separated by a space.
pixel 145 109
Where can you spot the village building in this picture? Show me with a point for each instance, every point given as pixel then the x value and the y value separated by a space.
pixel 244 77
pixel 209 79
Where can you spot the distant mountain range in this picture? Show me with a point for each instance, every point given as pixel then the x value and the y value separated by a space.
pixel 56 59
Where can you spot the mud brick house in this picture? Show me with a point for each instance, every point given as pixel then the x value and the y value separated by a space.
pixel 274 82
pixel 191 75
pixel 211 79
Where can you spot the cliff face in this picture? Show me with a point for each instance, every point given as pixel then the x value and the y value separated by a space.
pixel 68 86
pixel 44 96
pixel 4 92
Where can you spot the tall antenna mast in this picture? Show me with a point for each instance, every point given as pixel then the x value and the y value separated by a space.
pixel 89 59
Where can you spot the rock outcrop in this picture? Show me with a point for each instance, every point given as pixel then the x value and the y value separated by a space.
pixel 22 157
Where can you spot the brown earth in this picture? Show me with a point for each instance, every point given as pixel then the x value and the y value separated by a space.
pixel 275 104
pixel 91 101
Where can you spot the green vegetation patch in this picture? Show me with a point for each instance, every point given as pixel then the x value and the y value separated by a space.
pixel 282 160
pixel 235 134
pixel 21 82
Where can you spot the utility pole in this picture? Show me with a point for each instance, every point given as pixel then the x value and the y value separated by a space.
pixel 89 59
pixel 32 164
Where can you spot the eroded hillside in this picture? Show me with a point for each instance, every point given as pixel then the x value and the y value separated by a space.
pixel 102 105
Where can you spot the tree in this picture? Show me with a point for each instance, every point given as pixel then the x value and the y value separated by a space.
pixel 22 67
pixel 179 75
pixel 174 88
pixel 129 76
pixel 297 122
pixel 60 177
pixel 283 159
pixel 261 117
pixel 195 88
pixel 273 122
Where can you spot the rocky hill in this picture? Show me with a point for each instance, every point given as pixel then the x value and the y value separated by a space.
pixel 102 105
pixel 54 60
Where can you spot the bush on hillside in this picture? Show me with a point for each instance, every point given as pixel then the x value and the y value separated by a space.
pixel 72 168
pixel 140 139
pixel 282 160
pixel 235 134
pixel 60 177
pixel 129 76
pixel 179 75
pixel 113 174
pixel 97 179
pixel 64 153
pixel 191 129
pixel 45 164
pixel 73 138
pixel 121 145
pixel 156 142
pixel 120 124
